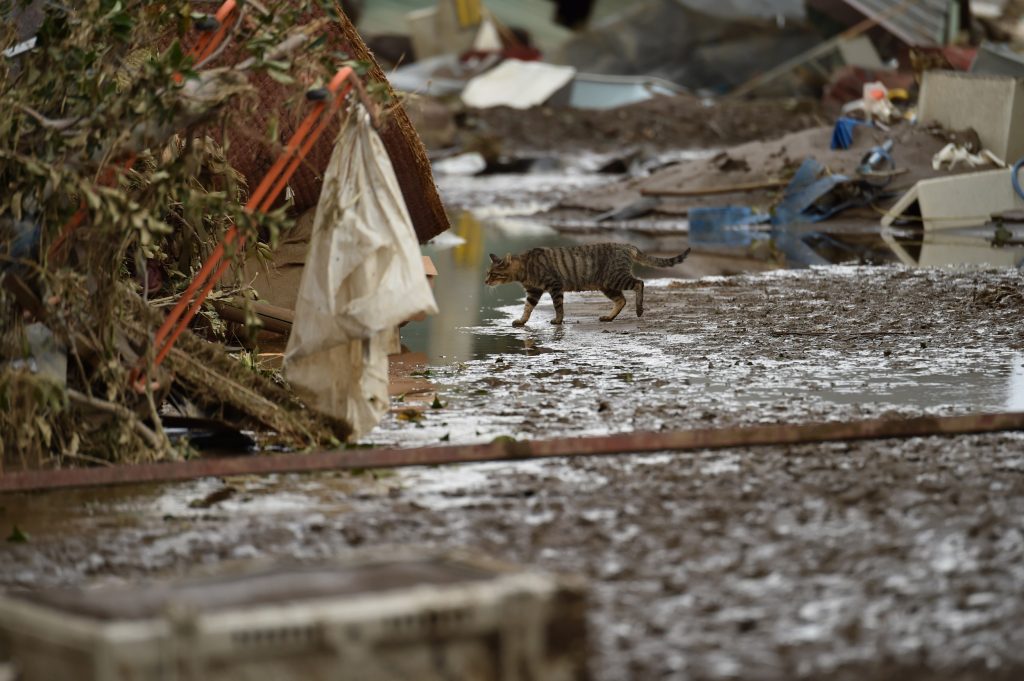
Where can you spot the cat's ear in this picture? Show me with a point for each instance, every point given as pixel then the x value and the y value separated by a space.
pixel 494 258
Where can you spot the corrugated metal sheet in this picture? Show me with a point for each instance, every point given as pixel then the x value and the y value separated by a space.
pixel 916 22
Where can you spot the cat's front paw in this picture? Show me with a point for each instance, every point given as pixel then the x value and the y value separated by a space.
pixel 518 323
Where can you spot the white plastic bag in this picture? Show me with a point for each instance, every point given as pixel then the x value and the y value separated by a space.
pixel 363 276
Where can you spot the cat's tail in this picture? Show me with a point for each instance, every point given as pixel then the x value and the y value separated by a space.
pixel 651 261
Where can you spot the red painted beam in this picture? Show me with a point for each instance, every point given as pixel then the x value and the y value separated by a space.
pixel 624 443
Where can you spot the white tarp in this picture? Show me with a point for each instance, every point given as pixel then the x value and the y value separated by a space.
pixel 363 276
pixel 518 84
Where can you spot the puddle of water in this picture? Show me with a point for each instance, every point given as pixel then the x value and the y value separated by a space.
pixel 464 302
pixel 69 512
pixel 467 309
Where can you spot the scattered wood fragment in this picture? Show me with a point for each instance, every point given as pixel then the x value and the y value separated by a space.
pixel 274 318
pixel 711 191
pixel 120 411
pixel 218 381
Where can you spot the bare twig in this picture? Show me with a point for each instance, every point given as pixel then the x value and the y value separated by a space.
pixel 88 459
pixel 287 46
pixel 54 124
pixel 121 412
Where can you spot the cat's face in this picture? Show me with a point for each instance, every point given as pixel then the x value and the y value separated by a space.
pixel 501 271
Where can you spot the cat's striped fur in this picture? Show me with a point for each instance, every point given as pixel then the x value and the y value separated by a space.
pixel 594 267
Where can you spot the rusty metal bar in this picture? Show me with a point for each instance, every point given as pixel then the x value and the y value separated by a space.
pixel 624 443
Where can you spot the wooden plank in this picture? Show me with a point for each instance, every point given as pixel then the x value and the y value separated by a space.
pixel 512 450
pixel 274 318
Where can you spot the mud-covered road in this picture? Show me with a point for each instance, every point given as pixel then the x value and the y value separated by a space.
pixel 873 560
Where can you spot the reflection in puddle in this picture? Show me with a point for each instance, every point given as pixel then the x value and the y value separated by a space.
pixel 464 303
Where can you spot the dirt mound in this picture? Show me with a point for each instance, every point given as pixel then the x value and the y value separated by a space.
pixel 682 122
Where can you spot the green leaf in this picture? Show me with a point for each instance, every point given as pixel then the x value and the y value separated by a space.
pixel 16 205
pixel 281 77
pixel 436 404
pixel 17 536
pixel 175 55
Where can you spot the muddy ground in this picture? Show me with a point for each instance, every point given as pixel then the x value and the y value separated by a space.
pixel 875 560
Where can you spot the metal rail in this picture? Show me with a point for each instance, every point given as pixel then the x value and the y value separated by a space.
pixel 625 443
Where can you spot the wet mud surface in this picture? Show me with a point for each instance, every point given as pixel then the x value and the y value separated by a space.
pixel 781 347
pixel 872 560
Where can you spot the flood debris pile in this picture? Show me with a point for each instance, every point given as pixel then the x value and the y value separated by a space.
pixel 896 177
pixel 828 126
pixel 117 186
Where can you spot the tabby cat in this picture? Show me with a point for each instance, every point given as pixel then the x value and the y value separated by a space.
pixel 607 268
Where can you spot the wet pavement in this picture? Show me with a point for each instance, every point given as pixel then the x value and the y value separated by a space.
pixel 889 559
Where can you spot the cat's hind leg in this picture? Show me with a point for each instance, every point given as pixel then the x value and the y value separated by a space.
pixel 616 297
pixel 638 286
pixel 557 299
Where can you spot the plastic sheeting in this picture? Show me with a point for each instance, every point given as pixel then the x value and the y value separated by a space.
pixel 363 276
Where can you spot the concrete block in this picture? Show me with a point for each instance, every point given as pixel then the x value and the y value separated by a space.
pixel 992 105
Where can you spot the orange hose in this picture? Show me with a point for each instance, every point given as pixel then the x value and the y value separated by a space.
pixel 209 42
pixel 270 187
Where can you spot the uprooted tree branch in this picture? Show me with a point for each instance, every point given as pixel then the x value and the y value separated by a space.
pixel 116 186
